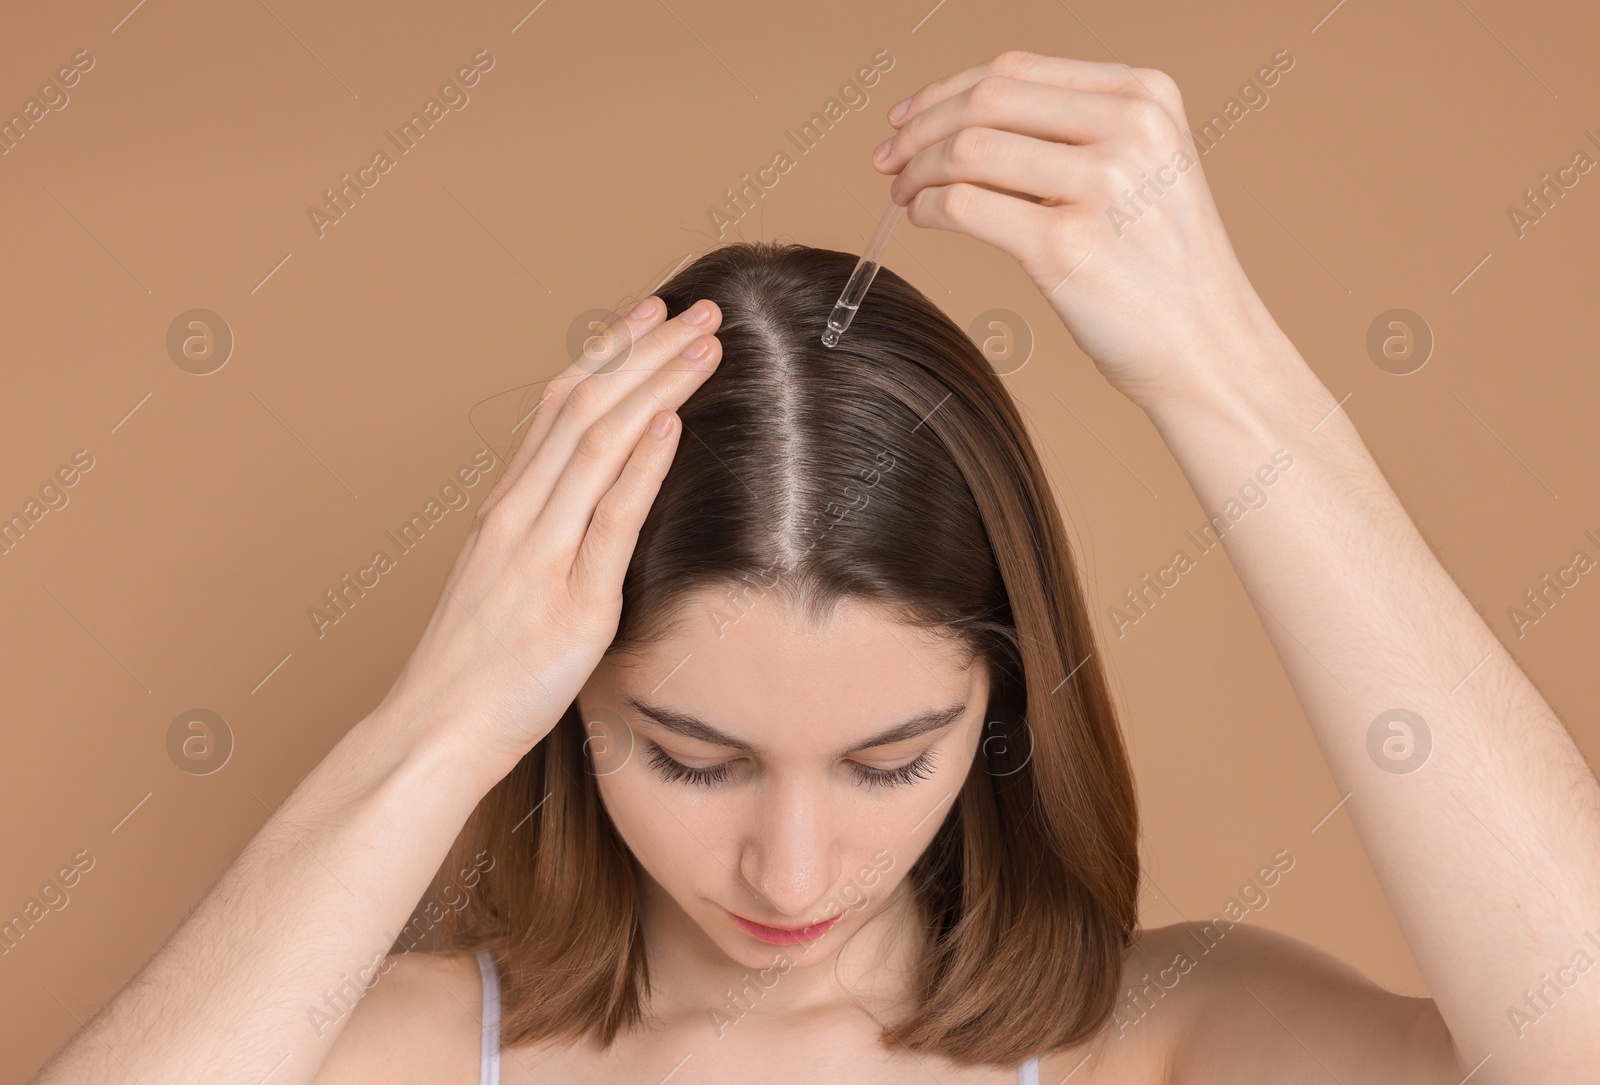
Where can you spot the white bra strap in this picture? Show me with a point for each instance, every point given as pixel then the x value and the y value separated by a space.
pixel 489 1074
pixel 1027 1073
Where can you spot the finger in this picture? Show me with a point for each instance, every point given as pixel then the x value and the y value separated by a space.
pixel 1090 75
pixel 1026 231
pixel 597 353
pixel 656 368
pixel 596 460
pixel 612 532
pixel 588 396
pixel 1054 172
pixel 1057 114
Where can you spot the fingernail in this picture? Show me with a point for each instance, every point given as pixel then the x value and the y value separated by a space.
pixel 660 424
pixel 899 110
pixel 883 149
pixel 698 313
pixel 697 348
pixel 642 310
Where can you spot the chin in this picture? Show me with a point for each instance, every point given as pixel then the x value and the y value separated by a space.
pixel 763 960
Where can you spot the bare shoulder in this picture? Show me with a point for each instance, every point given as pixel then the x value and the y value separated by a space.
pixel 419 1022
pixel 1221 1002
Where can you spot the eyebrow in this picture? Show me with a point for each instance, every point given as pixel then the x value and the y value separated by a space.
pixel 681 723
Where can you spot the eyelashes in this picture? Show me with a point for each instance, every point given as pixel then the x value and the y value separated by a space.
pixel 676 772
pixel 919 768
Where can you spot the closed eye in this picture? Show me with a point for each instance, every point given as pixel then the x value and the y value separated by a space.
pixel 918 768
pixel 674 771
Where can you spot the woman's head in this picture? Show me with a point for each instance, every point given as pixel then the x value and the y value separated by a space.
pixel 853 545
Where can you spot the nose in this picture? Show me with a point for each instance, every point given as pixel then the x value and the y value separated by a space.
pixel 789 854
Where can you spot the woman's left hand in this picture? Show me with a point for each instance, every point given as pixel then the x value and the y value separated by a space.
pixel 1086 173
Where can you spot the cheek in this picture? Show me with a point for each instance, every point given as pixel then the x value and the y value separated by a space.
pixel 633 799
pixel 910 820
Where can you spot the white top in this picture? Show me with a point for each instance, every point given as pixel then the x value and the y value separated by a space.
pixel 1027 1073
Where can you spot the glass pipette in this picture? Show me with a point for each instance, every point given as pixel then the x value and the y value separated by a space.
pixel 844 310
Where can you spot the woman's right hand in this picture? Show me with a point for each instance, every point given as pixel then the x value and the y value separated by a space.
pixel 535 597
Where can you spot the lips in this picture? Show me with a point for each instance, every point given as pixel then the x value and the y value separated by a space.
pixel 785 936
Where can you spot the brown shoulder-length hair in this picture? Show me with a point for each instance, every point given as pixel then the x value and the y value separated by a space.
pixel 894 469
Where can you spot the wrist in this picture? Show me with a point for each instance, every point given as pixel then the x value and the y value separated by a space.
pixel 434 752
pixel 1246 376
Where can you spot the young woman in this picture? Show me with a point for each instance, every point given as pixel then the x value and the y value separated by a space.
pixel 796 761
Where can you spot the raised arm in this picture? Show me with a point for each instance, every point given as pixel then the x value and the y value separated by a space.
pixel 1479 814
pixel 1489 848
pixel 258 981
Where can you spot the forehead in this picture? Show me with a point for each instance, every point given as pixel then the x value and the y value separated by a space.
pixel 762 668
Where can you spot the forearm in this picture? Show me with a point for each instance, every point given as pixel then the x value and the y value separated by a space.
pixel 1489 852
pixel 313 902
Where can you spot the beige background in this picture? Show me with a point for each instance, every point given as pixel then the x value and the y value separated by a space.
pixel 370 363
